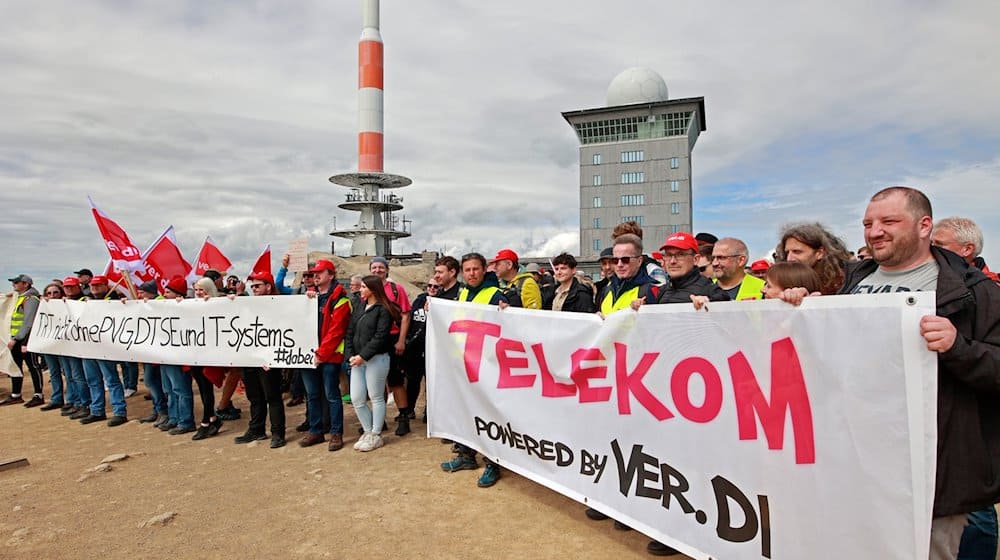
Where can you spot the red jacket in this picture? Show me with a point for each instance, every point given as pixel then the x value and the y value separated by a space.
pixel 334 317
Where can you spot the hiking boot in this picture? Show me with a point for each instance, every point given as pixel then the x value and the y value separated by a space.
pixel 151 417
pixel 91 418
pixel 656 548
pixel 336 442
pixel 490 476
pixel 460 463
pixel 80 414
pixel 595 515
pixel 117 421
pixel 403 427
pixel 250 436
pixel 311 439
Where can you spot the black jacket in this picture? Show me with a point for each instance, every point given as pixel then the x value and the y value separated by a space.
pixel 580 298
pixel 968 416
pixel 368 332
pixel 680 290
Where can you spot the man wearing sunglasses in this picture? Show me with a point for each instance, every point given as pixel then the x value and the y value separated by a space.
pixel 630 282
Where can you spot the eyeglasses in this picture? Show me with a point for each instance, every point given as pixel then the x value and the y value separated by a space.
pixel 433 287
pixel 724 257
pixel 677 256
pixel 624 260
pixel 53 293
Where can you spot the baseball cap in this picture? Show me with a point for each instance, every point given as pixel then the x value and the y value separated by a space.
pixel 262 276
pixel 380 260
pixel 607 253
pixel 84 271
pixel 20 278
pixel 681 240
pixel 71 281
pixel 706 239
pixel 323 264
pixel 657 255
pixel 99 279
pixel 760 265
pixel 505 255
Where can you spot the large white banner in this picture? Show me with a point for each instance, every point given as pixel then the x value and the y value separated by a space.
pixel 753 430
pixel 277 331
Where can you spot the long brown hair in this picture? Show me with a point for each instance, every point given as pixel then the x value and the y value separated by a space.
pixel 374 285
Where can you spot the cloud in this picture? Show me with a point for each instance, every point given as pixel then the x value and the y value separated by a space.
pixel 227 119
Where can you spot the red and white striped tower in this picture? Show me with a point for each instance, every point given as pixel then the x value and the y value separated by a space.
pixel 370 119
pixel 377 226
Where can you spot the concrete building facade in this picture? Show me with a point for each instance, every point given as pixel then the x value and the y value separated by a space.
pixel 635 160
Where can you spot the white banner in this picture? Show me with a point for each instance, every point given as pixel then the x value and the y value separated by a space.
pixel 277 331
pixel 754 430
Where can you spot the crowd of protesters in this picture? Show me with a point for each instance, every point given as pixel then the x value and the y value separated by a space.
pixel 372 337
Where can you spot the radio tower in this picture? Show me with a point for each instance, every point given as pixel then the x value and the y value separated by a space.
pixel 377 226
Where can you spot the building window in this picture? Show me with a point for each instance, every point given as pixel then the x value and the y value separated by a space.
pixel 675 228
pixel 675 162
pixel 675 207
pixel 633 156
pixel 597 223
pixel 597 202
pixel 636 219
pixel 633 128
pixel 597 245
pixel 633 199
pixel 597 159
pixel 631 177
pixel 675 186
pixel 597 180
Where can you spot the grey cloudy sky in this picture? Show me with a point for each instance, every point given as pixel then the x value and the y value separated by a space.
pixel 227 118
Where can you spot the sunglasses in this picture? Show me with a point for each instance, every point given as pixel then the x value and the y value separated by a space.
pixel 53 293
pixel 433 287
pixel 623 260
pixel 702 268
pixel 257 286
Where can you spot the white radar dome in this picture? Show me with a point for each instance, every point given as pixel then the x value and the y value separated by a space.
pixel 636 85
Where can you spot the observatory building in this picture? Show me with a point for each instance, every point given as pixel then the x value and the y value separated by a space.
pixel 635 160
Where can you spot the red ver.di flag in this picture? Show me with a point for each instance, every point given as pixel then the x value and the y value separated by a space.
pixel 263 263
pixel 124 253
pixel 164 260
pixel 210 257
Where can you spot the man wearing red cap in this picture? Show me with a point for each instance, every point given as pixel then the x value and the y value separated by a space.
pixel 263 385
pixel 759 268
pixel 324 382
pixel 79 392
pixel 679 253
pixel 520 288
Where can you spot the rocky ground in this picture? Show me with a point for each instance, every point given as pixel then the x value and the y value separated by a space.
pixel 133 491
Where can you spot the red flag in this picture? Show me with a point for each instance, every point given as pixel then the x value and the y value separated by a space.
pixel 263 263
pixel 124 254
pixel 164 260
pixel 210 256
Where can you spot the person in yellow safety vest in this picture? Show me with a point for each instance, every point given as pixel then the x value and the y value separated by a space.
pixel 480 287
pixel 630 282
pixel 729 259
pixel 20 329
pixel 521 288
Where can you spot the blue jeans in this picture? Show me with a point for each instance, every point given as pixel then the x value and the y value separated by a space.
pixel 109 370
pixel 151 379
pixel 180 406
pixel 95 381
pixel 368 380
pixel 979 540
pixel 130 375
pixel 55 377
pixel 324 380
pixel 79 393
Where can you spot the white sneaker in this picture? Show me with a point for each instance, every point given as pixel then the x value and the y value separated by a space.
pixel 376 442
pixel 129 393
pixel 365 443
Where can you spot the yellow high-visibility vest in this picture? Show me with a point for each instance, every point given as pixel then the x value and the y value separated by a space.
pixel 609 305
pixel 484 296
